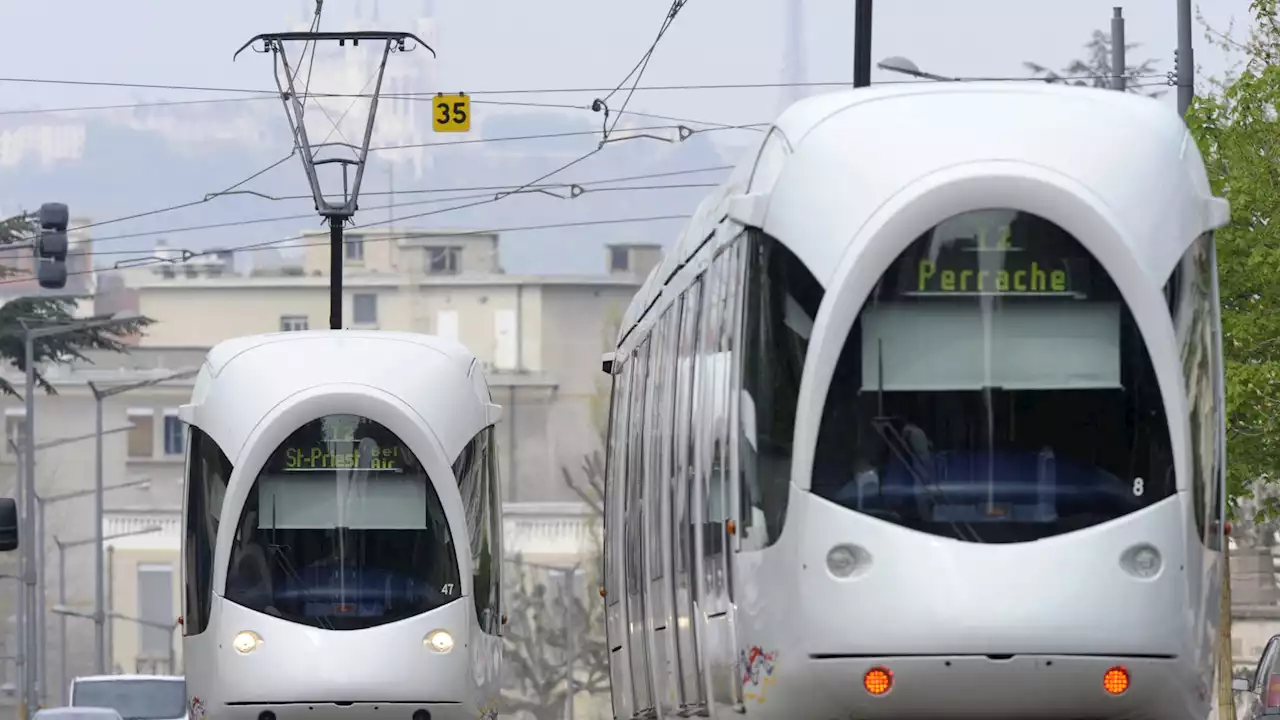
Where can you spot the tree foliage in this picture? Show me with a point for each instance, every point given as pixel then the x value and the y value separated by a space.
pixel 49 310
pixel 1094 70
pixel 1238 132
pixel 553 630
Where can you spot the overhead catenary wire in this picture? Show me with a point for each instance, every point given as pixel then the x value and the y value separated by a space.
pixel 272 244
pixel 602 104
pixel 416 203
pixel 541 136
pixel 252 94
pixel 193 203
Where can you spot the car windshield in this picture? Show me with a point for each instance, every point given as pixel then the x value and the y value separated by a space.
pixel 995 388
pixel 343 530
pixel 134 699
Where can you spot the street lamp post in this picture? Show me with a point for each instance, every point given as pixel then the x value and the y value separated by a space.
pixel 903 66
pixel 62 595
pixel 171 628
pixel 41 661
pixel 99 570
pixel 41 504
pixel 29 336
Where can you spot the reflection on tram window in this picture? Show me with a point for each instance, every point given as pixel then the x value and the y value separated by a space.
pixel 995 388
pixel 342 530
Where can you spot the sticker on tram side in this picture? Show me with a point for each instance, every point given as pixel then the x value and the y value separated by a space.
pixel 757 667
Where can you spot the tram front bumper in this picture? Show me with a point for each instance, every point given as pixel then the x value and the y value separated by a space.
pixel 344 711
pixel 303 667
pixel 1046 687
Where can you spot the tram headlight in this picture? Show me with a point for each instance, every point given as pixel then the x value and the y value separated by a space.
pixel 439 640
pixel 1142 561
pixel 246 642
pixel 844 561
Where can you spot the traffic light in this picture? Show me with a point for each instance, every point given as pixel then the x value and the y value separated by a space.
pixel 51 246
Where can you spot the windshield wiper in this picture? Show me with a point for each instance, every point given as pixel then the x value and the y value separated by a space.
pixel 883 425
pixel 915 465
pixel 282 559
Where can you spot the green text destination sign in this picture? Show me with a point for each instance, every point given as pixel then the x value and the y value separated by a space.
pixel 1016 274
pixel 304 459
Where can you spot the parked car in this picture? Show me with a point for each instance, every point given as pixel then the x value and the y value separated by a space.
pixel 134 697
pixel 77 713
pixel 1261 692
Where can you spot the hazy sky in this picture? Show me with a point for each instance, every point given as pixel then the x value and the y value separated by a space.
pixel 492 45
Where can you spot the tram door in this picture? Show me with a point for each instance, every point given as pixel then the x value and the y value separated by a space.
pixel 658 529
pixel 714 591
pixel 691 689
pixel 642 396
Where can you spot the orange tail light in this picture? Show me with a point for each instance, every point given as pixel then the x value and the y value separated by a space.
pixel 1116 680
pixel 878 680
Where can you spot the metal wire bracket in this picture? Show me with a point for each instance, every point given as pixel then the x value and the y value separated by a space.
pixel 274 43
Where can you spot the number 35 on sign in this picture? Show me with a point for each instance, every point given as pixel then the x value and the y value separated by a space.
pixel 452 113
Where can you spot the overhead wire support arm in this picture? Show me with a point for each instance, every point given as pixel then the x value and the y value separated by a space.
pixel 337 213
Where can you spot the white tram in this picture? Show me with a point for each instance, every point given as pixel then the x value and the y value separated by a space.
pixel 342 546
pixel 922 417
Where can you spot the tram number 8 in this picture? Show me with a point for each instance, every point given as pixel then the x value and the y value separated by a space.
pixel 452 113
pixel 1138 487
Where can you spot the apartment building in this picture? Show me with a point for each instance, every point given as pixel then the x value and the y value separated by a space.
pixel 540 339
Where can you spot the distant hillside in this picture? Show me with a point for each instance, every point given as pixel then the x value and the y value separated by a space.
pixel 123 171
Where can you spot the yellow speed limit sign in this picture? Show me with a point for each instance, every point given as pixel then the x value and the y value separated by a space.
pixel 452 113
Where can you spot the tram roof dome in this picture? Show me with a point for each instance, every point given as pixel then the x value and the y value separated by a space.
pixel 848 153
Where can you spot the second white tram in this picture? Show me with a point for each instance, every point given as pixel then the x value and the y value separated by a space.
pixel 342 546
pixel 922 418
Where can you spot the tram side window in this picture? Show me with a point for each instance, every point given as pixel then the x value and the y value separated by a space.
pixel 635 471
pixel 683 482
pixel 477 484
pixel 713 406
pixel 208 471
pixel 1195 322
pixel 659 434
pixel 781 302
pixel 615 484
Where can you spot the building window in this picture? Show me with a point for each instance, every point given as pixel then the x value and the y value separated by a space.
pixel 155 608
pixel 175 433
pixel 355 248
pixel 364 309
pixel 444 260
pixel 142 442
pixel 294 323
pixel 619 259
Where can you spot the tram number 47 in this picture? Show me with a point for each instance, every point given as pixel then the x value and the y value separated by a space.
pixel 452 113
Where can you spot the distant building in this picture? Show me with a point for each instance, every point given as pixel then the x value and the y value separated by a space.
pixel 540 339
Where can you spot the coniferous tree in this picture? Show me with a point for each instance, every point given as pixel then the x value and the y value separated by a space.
pixel 47 310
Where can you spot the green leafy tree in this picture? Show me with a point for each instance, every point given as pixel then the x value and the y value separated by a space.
pixel 1094 69
pixel 49 310
pixel 1238 132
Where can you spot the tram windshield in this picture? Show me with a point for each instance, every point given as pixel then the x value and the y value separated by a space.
pixel 343 530
pixel 995 388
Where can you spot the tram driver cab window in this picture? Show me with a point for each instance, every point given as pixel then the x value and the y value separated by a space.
pixel 995 387
pixel 342 530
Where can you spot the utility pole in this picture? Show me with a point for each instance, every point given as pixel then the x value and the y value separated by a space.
pixel 861 43
pixel 99 557
pixel 337 213
pixel 1117 49
pixel 1185 59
